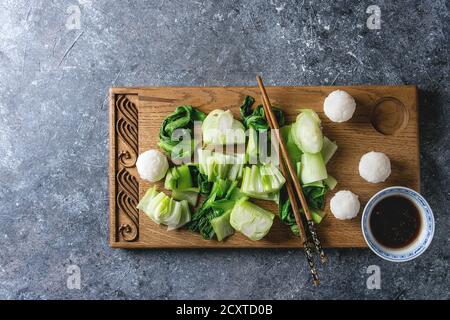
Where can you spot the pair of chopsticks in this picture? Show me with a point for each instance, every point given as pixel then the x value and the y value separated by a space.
pixel 292 180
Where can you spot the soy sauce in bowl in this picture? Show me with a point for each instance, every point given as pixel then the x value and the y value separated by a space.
pixel 395 221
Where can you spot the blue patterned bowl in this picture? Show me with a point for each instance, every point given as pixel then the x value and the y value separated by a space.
pixel 426 232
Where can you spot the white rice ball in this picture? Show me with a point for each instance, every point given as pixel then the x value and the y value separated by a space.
pixel 339 106
pixel 152 165
pixel 345 205
pixel 374 167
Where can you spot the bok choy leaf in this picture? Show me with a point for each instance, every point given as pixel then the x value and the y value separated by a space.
pixel 251 220
pixel 164 210
pixel 255 122
pixel 182 119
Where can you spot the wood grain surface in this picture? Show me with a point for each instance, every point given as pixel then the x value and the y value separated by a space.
pixel 392 110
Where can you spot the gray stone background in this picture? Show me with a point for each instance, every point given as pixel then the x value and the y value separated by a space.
pixel 54 136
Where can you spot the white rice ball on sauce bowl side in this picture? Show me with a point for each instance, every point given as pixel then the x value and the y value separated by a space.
pixel 152 165
pixel 345 205
pixel 374 167
pixel 339 106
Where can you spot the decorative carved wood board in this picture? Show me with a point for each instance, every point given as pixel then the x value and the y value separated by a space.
pixel 137 113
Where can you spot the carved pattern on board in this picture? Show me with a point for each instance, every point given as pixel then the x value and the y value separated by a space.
pixel 127 129
pixel 127 186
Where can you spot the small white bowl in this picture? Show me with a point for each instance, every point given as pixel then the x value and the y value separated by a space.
pixel 419 245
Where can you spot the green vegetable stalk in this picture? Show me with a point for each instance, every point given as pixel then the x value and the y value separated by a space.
pixel 221 200
pixel 255 122
pixel 186 182
pixel 310 150
pixel 261 181
pixel 215 165
pixel 294 152
pixel 328 150
pixel 312 168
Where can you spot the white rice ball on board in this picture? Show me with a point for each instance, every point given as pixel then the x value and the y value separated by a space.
pixel 339 106
pixel 152 165
pixel 345 205
pixel 374 167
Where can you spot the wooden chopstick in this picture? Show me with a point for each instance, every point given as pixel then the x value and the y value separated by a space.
pixel 298 218
pixel 269 114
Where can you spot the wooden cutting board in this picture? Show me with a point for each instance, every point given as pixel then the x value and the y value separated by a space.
pixel 386 120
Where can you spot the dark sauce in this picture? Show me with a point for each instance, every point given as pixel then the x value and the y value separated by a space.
pixel 395 222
